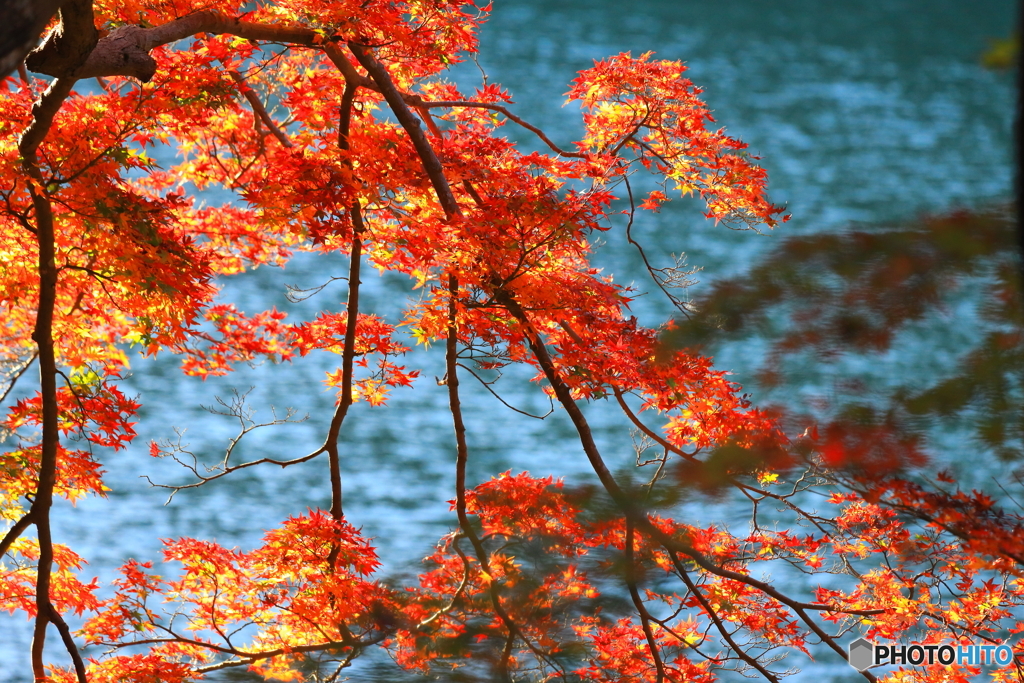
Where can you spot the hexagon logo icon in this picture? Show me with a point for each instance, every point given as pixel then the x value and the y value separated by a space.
pixel 861 653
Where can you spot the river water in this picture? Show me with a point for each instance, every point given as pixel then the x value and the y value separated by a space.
pixel 864 112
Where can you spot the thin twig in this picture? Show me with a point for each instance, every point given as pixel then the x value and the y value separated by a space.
pixel 17 375
pixel 512 117
pixel 487 385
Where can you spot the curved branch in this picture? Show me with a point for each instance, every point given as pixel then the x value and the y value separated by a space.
pixel 634 594
pixel 257 107
pixel 69 644
pixel 44 112
pixel 15 532
pixel 654 436
pixel 229 470
pixel 625 502
pixel 510 116
pixel 409 121
pixel 487 386
pixel 458 592
pixel 69 44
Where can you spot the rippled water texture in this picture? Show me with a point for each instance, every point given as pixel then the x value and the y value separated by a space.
pixel 864 112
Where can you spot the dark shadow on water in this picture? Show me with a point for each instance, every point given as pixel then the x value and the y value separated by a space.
pixel 914 330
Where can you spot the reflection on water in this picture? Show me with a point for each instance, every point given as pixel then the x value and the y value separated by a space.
pixel 866 111
pixel 916 328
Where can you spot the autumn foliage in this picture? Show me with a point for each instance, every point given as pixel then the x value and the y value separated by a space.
pixel 331 128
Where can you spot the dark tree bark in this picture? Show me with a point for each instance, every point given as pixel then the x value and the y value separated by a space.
pixel 23 23
pixel 68 46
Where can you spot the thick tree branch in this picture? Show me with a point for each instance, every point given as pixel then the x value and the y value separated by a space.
pixel 44 112
pixel 24 21
pixel 69 644
pixel 69 44
pixel 125 50
pixel 411 124
pixel 43 336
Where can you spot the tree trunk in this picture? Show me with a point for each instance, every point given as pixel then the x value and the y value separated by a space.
pixel 23 22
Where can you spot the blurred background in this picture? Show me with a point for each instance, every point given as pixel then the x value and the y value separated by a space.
pixel 891 297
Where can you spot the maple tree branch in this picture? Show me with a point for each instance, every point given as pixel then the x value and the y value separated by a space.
pixel 466 572
pixel 258 109
pixel 69 643
pixel 713 616
pixel 352 320
pixel 487 386
pixel 634 594
pixel 234 468
pixel 125 50
pixel 564 396
pixel 40 510
pixel 431 164
pixel 226 664
pixel 69 44
pixel 659 281
pixel 746 489
pixel 352 77
pixel 654 436
pixel 462 457
pixel 44 112
pixel 236 409
pixel 427 118
pixel 250 657
pixel 455 407
pixel 623 501
pixel 509 115
pixel 15 532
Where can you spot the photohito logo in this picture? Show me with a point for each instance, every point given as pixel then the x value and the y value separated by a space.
pixel 864 654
